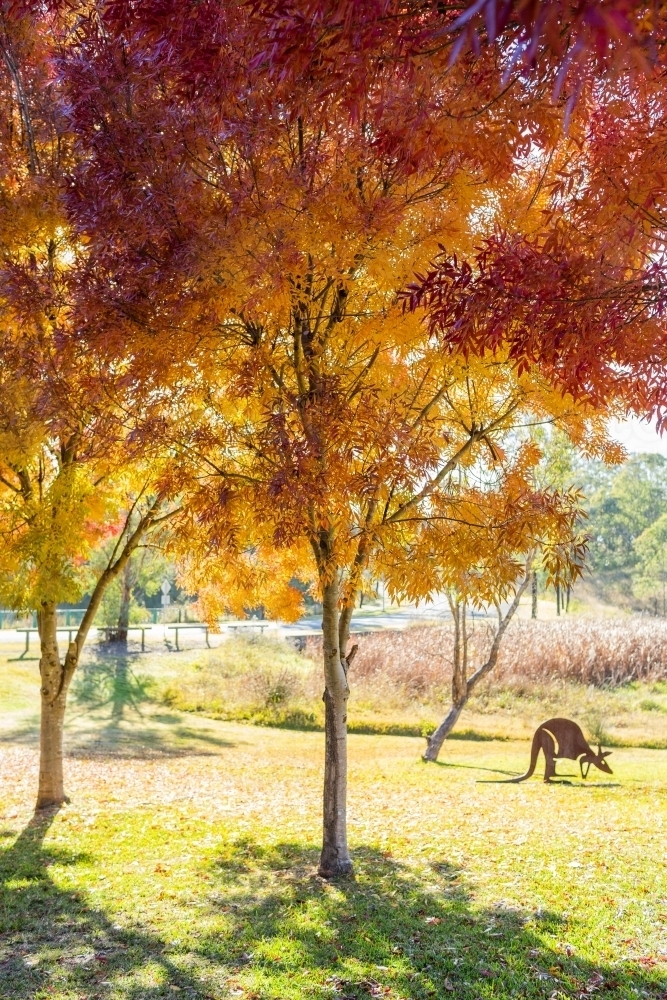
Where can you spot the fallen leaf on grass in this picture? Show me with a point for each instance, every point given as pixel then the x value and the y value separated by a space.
pixel 448 984
pixel 370 986
pixel 594 983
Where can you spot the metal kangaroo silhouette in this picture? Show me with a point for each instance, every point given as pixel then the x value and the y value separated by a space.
pixel 560 738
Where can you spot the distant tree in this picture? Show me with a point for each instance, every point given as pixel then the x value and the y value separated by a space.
pixel 555 544
pixel 649 577
pixel 618 514
pixel 124 600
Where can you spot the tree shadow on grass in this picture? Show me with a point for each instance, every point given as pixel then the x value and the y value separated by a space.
pixel 53 942
pixel 108 680
pixel 117 700
pixel 393 931
pixel 272 929
pixel 473 767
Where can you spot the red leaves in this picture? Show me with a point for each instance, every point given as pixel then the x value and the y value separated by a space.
pixel 585 35
pixel 593 326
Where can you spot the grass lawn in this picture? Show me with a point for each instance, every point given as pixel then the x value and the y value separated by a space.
pixel 185 864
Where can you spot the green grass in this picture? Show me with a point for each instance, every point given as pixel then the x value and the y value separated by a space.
pixel 186 865
pixel 266 682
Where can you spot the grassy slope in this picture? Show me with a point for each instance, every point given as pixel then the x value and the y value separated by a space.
pixel 186 864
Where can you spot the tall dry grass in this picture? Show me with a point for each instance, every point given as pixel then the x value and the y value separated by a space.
pixel 418 661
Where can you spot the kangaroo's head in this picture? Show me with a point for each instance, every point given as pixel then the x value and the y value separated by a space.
pixel 600 761
pixel 595 758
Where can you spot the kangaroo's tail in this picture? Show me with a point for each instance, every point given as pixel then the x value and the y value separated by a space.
pixel 534 751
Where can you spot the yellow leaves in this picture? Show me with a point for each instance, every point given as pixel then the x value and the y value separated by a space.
pixel 248 574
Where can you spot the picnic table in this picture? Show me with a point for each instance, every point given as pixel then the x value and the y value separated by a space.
pixel 181 625
pixel 35 631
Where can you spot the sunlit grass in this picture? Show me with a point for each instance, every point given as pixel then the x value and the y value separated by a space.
pixel 186 864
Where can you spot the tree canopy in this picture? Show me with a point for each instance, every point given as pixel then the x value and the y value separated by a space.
pixel 315 270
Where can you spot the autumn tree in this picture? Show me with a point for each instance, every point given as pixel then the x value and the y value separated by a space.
pixel 549 536
pixel 579 288
pixel 68 464
pixel 380 455
pixel 249 241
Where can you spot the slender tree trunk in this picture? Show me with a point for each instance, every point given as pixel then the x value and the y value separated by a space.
pixel 437 738
pixel 462 693
pixel 459 682
pixel 126 584
pixel 55 678
pixel 335 857
pixel 558 599
pixel 533 589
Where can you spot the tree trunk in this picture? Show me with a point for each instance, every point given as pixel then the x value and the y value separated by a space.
pixel 460 693
pixel 56 676
pixel 126 584
pixel 436 739
pixel 55 679
pixel 335 858
pixel 51 791
pixel 459 682
pixel 533 587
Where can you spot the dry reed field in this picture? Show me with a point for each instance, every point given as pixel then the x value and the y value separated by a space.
pixel 602 652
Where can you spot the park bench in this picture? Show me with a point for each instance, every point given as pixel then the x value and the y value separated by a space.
pixel 261 625
pixel 72 631
pixel 182 625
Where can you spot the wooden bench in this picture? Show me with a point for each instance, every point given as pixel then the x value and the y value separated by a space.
pixel 72 631
pixel 182 625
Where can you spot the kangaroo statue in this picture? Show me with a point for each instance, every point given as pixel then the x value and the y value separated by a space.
pixel 562 738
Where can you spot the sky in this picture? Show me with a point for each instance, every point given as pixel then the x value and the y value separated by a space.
pixel 637 435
